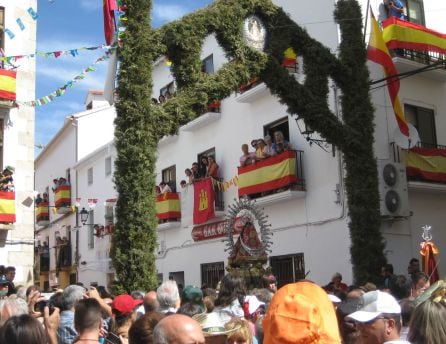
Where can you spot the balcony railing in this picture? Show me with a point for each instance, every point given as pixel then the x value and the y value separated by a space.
pixel 424 162
pixel 424 57
pixel 272 175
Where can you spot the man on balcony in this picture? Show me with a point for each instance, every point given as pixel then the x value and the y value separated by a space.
pixel 396 9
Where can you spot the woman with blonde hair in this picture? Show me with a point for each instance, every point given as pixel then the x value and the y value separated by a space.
pixel 428 322
pixel 240 332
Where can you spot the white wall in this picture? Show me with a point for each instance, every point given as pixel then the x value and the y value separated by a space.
pixel 18 148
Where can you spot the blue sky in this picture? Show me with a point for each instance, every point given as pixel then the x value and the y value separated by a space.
pixel 72 24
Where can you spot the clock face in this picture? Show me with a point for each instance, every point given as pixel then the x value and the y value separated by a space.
pixel 254 32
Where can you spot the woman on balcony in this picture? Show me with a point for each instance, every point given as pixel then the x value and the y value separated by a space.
pixel 247 158
pixel 204 166
pixel 212 167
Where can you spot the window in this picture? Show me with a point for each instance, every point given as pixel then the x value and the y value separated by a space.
pixel 90 175
pixel 415 11
pixel 169 176
pixel 168 90
pixel 212 273
pixel 279 125
pixel 108 166
pixel 177 276
pixel 424 121
pixel 91 229
pixel 207 65
pixel 109 215
pixel 288 268
pixel 206 153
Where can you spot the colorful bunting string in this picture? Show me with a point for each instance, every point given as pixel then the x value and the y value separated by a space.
pixel 56 54
pixel 61 90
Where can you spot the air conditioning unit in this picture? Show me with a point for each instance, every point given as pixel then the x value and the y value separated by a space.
pixel 394 198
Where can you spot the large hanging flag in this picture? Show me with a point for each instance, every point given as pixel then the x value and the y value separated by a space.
pixel 401 34
pixel 426 164
pixel 7 207
pixel 7 84
pixel 203 201
pixel 379 53
pixel 168 206
pixel 266 175
pixel 109 19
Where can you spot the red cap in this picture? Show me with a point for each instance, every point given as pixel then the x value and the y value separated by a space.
pixel 124 304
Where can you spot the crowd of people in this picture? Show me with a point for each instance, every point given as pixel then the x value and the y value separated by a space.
pixel 6 179
pixel 301 312
pixel 207 167
pixel 264 148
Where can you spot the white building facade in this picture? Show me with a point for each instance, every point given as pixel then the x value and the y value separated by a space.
pixel 59 237
pixel 17 136
pixel 309 220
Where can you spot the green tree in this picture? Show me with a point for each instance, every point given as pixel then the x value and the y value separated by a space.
pixel 134 238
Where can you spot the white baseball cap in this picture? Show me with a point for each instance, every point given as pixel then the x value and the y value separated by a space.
pixel 375 303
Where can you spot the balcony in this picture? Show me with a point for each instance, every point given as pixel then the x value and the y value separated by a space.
pixel 43 258
pixel 425 166
pixel 212 115
pixel 63 254
pixel 7 88
pixel 251 91
pixel 42 214
pixel 416 48
pixel 7 210
pixel 168 210
pixel 62 199
pixel 407 61
pixel 273 180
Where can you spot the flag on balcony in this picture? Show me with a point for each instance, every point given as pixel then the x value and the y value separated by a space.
pixel 62 196
pixel 42 212
pixel 377 52
pixel 401 34
pixel 426 164
pixel 7 84
pixel 267 175
pixel 7 207
pixel 203 200
pixel 289 58
pixel 168 206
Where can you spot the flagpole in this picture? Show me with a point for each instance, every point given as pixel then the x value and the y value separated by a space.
pixel 366 17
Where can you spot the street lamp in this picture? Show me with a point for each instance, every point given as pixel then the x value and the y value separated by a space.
pixel 84 216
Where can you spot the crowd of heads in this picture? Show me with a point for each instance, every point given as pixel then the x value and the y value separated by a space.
pixel 300 312
pixel 6 179
pixel 206 167
pixel 264 148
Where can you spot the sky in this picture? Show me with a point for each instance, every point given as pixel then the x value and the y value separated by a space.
pixel 73 24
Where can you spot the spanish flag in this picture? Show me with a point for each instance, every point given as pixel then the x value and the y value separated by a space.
pixel 426 164
pixel 42 212
pixel 7 84
pixel 63 196
pixel 401 34
pixel 377 52
pixel 269 174
pixel 289 58
pixel 7 207
pixel 168 206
